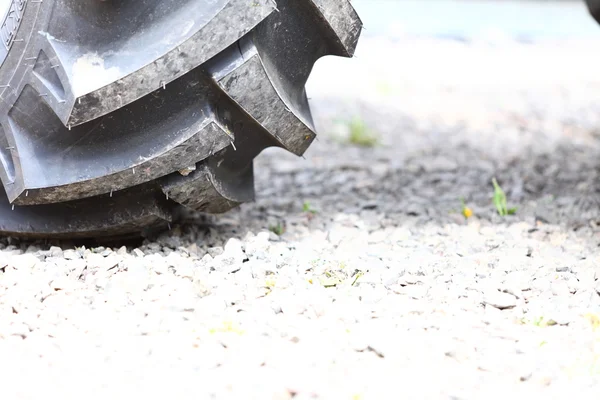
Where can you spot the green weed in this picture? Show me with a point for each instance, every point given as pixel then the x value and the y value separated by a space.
pixel 360 135
pixel 278 229
pixel 307 208
pixel 500 200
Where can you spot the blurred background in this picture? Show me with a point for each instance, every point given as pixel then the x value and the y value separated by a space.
pixel 472 62
pixel 441 97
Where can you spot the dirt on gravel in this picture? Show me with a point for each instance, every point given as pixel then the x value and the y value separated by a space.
pixel 355 274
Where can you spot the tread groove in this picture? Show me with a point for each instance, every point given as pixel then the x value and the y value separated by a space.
pixel 44 71
pixel 6 156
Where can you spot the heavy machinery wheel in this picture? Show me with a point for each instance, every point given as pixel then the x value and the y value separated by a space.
pixel 114 113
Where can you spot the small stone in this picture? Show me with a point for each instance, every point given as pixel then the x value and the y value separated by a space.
pixel 560 315
pixel 513 291
pixel 93 259
pixel 171 239
pixel 184 271
pixel 290 305
pixel 584 298
pixel 187 170
pixel 160 268
pixel 262 269
pixel 32 249
pixel 562 269
pixel 206 260
pixel 19 329
pixel 542 284
pixel 192 249
pixel 122 251
pixel 214 251
pixel 586 278
pixel 153 247
pixel 100 282
pixel 409 279
pixel 440 164
pixel 500 300
pixel 183 251
pixel 201 288
pixel 232 257
pixel 56 252
pixel 138 253
pixel 24 261
pixel 135 279
pixel 518 280
pixel 233 245
pixel 61 283
pixel 273 237
pixel 71 255
pixel 560 288
pixel 257 245
pixel 76 267
pixel 106 253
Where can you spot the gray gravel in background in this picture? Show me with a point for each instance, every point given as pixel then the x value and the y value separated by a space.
pixel 375 286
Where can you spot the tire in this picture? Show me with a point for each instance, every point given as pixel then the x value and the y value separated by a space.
pixel 115 113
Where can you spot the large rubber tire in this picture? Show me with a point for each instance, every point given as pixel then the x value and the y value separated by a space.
pixel 114 113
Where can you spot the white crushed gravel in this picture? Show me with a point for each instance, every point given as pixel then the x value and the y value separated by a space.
pixel 385 291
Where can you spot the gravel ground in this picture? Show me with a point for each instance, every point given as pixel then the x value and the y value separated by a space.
pixel 381 289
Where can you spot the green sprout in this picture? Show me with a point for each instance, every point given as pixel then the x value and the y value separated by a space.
pixel 307 208
pixel 500 200
pixel 360 135
pixel 278 229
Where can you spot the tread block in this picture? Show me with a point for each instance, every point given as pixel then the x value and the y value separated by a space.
pixel 197 191
pixel 344 21
pixel 140 142
pixel 267 71
pixel 208 190
pixel 131 211
pixel 179 157
pixel 252 89
pixel 110 68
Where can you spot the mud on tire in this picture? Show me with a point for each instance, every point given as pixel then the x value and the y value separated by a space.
pixel 115 113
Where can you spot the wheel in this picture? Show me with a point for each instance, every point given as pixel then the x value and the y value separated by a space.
pixel 114 113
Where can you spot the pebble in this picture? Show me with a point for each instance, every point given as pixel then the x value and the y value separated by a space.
pixel 25 261
pixel 71 255
pixel 62 283
pixel 214 251
pixel 138 252
pixel 56 252
pixel 500 300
